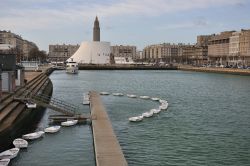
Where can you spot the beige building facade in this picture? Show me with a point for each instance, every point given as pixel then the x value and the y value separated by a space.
pixel 218 48
pixel 166 52
pixel 195 55
pixel 124 51
pixel 230 48
pixel 27 47
pixel 20 46
pixel 60 53
pixel 244 45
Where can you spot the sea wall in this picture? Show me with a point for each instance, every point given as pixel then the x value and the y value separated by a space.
pixel 25 121
pixel 245 72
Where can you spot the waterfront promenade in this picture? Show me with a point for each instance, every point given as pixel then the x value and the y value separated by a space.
pixel 107 148
pixel 245 72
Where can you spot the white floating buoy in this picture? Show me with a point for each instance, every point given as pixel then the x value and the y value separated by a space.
pixel 163 101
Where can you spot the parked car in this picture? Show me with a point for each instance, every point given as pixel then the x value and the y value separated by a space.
pixel 222 66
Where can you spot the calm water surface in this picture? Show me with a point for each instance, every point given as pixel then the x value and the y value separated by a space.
pixel 207 122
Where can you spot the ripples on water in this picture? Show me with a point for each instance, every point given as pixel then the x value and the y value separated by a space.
pixel 207 122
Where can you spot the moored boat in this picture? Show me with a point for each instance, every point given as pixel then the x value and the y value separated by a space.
pixel 4 162
pixel 34 135
pixel 69 123
pixel 163 106
pixel 147 114
pixel 20 143
pixel 117 94
pixel 131 96
pixel 52 129
pixel 72 67
pixel 30 105
pixel 9 154
pixel 155 98
pixel 86 102
pixel 144 97
pixel 155 111
pixel 104 93
pixel 136 118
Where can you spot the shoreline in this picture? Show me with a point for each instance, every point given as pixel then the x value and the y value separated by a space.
pixel 124 67
pixel 242 72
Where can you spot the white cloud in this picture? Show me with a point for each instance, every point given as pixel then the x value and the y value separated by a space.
pixel 55 16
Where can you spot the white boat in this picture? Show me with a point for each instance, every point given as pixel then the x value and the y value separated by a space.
pixel 155 111
pixel 131 96
pixel 4 162
pixel 147 114
pixel 86 96
pixel 144 97
pixel 52 129
pixel 72 67
pixel 20 143
pixel 34 135
pixel 9 154
pixel 117 94
pixel 86 99
pixel 136 118
pixel 104 93
pixel 69 123
pixel 163 106
pixel 163 101
pixel 86 102
pixel 155 98
pixel 30 105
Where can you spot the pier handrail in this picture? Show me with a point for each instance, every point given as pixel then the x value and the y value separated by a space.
pixel 50 102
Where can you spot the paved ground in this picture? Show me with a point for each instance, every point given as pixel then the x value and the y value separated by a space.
pixel 29 75
pixel 216 70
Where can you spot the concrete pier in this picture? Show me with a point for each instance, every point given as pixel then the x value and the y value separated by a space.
pixel 107 148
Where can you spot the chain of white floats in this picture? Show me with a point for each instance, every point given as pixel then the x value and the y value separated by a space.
pixel 150 113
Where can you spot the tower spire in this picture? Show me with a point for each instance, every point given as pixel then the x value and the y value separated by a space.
pixel 96 30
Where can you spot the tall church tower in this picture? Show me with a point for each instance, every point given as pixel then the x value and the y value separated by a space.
pixel 96 30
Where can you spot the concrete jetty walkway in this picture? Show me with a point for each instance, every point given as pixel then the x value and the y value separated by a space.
pixel 107 148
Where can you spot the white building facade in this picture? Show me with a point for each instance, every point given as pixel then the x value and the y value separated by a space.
pixel 92 53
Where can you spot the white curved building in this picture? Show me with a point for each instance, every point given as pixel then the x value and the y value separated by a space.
pixel 94 52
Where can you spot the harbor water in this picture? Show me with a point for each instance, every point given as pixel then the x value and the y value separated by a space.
pixel 207 122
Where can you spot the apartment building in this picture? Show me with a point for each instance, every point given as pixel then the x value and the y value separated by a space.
pixel 169 53
pixel 27 47
pixel 60 53
pixel 230 48
pixel 218 48
pixel 244 44
pixel 124 51
pixel 166 52
pixel 20 46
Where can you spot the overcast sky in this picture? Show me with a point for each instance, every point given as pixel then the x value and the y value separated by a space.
pixel 122 22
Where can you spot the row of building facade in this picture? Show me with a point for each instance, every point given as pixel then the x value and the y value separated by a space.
pixel 228 48
pixel 17 44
